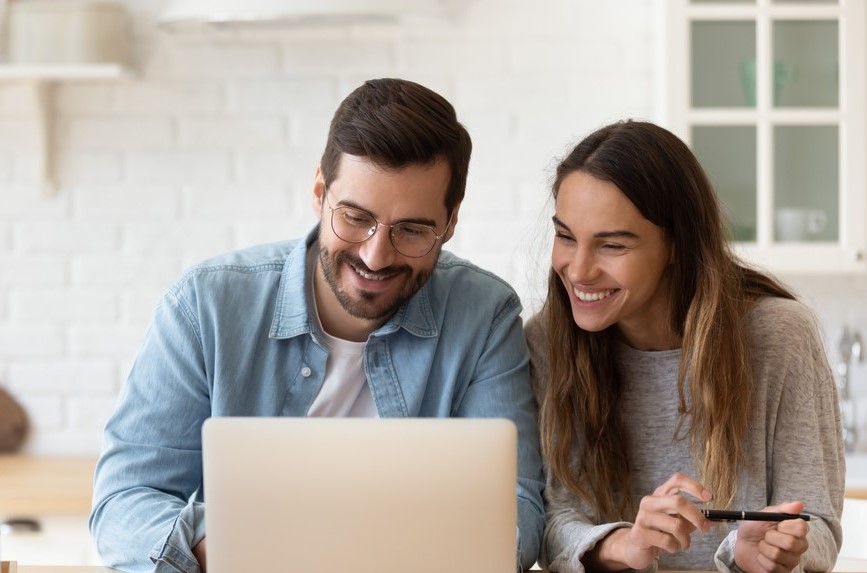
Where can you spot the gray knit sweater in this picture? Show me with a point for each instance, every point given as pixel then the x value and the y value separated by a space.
pixel 794 450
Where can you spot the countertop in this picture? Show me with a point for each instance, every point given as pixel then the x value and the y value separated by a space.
pixel 45 486
pixel 64 486
pixel 843 564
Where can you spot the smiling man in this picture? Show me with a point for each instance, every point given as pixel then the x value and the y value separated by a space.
pixel 366 316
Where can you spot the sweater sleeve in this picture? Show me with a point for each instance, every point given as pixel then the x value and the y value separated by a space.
pixel 570 531
pixel 804 446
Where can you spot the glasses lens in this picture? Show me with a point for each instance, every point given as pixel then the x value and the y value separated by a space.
pixel 413 240
pixel 352 225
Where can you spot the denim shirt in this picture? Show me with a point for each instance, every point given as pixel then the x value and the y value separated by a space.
pixel 233 337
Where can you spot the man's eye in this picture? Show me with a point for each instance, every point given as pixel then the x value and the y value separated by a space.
pixel 410 231
pixel 357 219
pixel 562 236
pixel 613 247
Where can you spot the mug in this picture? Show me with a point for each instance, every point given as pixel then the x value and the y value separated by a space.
pixel 797 224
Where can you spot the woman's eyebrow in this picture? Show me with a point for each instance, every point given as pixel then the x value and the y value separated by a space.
pixel 617 234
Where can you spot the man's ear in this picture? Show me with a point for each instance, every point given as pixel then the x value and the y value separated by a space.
pixel 454 222
pixel 318 192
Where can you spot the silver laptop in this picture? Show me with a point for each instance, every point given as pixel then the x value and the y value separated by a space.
pixel 360 495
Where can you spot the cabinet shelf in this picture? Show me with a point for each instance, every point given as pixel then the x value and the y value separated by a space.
pixel 62 72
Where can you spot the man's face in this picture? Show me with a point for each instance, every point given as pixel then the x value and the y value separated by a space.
pixel 370 280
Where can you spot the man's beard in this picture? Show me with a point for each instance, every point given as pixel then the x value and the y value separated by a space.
pixel 369 305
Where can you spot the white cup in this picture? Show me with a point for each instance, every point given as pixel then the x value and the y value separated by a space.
pixel 796 224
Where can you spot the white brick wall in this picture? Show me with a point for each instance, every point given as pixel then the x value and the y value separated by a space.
pixel 212 145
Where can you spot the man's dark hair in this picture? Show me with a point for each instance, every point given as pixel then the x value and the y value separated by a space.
pixel 396 123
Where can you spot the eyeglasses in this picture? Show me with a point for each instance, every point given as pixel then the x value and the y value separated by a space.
pixel 412 240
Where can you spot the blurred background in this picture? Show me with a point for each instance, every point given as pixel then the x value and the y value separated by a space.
pixel 132 147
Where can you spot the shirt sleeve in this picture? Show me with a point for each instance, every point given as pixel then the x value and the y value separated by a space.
pixel 500 388
pixel 147 509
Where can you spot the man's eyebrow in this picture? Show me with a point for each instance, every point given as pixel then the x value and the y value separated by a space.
pixel 416 220
pixel 616 234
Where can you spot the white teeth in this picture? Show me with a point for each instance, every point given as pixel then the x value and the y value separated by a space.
pixel 368 276
pixel 592 296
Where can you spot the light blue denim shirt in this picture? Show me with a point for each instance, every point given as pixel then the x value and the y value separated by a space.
pixel 233 337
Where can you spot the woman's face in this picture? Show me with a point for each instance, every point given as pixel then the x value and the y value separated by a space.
pixel 613 262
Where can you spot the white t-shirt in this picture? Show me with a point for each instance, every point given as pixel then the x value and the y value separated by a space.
pixel 345 392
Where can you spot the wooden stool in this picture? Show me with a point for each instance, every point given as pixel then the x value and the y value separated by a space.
pixel 9 567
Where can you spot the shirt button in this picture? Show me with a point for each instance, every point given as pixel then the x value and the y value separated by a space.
pixel 306 372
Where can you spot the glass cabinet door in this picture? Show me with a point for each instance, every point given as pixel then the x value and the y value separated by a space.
pixel 770 95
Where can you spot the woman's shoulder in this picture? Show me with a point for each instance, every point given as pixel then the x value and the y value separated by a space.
pixel 783 326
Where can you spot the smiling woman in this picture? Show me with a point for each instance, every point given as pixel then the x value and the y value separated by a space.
pixel 671 377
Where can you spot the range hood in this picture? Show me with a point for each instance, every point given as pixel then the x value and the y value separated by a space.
pixel 296 11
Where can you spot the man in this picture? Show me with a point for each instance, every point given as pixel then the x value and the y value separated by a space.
pixel 366 316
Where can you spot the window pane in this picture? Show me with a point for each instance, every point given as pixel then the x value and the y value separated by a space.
pixel 728 155
pixel 720 50
pixel 806 63
pixel 807 180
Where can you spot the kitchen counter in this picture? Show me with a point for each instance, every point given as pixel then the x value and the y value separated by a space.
pixel 843 565
pixel 45 486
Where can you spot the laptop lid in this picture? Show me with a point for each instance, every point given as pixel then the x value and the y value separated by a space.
pixel 323 495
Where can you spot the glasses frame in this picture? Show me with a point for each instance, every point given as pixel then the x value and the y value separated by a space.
pixel 372 231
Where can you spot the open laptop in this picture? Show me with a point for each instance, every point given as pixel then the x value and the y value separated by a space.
pixel 360 495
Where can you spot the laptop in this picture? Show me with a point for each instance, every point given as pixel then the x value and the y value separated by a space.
pixel 360 495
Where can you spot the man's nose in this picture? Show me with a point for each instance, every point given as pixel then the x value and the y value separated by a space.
pixel 377 252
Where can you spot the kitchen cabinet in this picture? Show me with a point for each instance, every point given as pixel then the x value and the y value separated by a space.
pixel 770 95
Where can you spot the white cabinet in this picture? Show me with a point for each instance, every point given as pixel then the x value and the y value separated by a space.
pixel 60 540
pixel 770 94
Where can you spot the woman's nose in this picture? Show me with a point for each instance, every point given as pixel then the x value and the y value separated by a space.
pixel 582 267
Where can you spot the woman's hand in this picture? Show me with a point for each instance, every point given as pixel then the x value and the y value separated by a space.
pixel 766 546
pixel 664 523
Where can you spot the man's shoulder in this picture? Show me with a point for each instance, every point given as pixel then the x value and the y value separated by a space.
pixel 259 260
pixel 453 271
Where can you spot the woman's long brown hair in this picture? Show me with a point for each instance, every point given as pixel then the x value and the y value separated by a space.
pixel 710 293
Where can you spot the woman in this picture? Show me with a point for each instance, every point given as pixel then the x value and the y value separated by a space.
pixel 672 378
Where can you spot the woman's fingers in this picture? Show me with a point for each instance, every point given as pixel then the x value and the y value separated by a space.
pixel 682 483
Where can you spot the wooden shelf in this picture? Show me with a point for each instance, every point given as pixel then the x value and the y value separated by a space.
pixel 40 79
pixel 62 72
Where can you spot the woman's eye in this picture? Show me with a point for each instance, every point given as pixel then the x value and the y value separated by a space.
pixel 562 236
pixel 613 247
